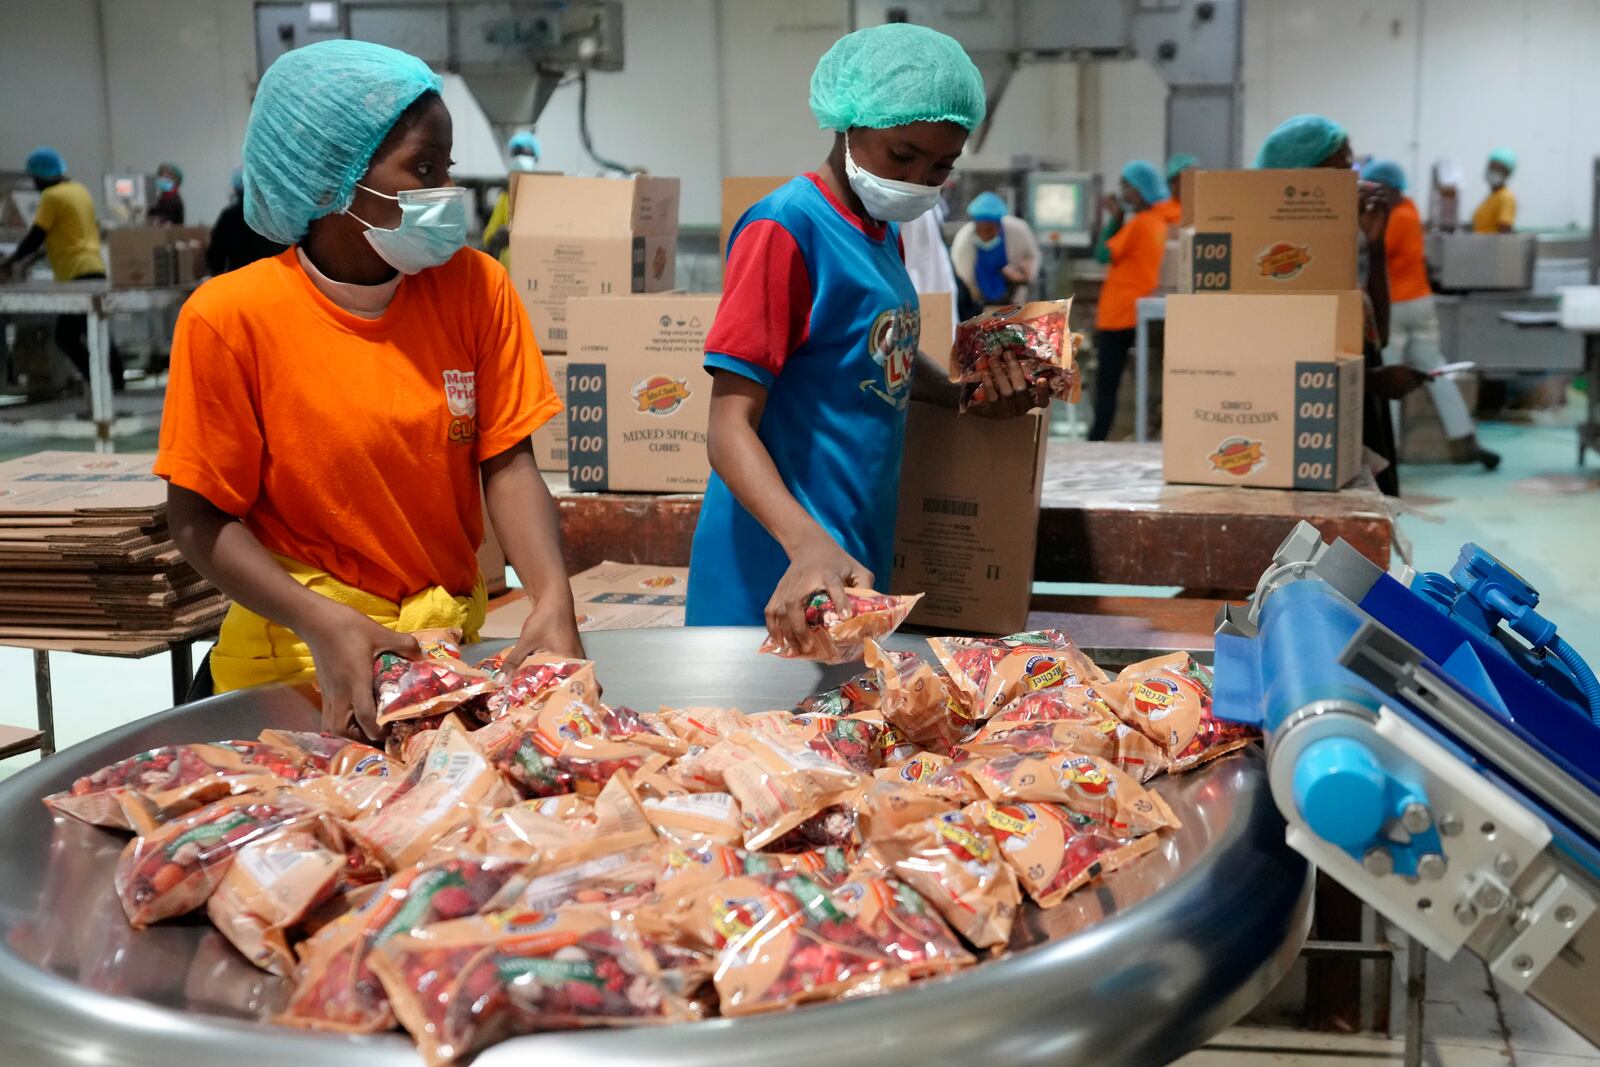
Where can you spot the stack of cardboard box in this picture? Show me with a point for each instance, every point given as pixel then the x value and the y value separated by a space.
pixel 156 255
pixel 85 552
pixel 1264 373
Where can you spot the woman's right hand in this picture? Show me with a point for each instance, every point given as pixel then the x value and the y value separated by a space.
pixel 820 566
pixel 344 643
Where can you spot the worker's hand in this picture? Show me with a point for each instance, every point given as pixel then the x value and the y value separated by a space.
pixel 344 644
pixel 1004 392
pixel 1112 203
pixel 1375 205
pixel 1394 383
pixel 819 567
pixel 550 627
pixel 1013 273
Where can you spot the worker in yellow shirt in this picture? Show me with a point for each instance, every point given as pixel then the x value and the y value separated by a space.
pixel 66 228
pixel 523 148
pixel 1498 212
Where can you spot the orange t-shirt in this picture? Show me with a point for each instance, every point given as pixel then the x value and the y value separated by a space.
pixel 1170 210
pixel 353 444
pixel 1136 252
pixel 1402 241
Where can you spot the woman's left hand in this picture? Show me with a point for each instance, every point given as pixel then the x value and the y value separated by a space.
pixel 1005 393
pixel 550 627
pixel 1375 206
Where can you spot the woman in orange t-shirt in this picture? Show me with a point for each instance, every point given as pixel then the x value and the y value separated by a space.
pixel 1134 249
pixel 333 410
pixel 1413 324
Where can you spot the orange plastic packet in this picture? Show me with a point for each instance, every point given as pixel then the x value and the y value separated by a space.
pixel 273 885
pixel 939 851
pixel 1082 783
pixel 904 926
pixel 695 818
pixel 533 681
pixel 458 987
pixel 1169 699
pixel 335 988
pixel 152 788
pixel 331 754
pixel 701 726
pixel 779 782
pixel 443 791
pixel 1088 728
pixel 590 877
pixel 174 868
pixel 440 681
pixel 1055 850
pixel 932 775
pixel 990 673
pixel 859 694
pixel 1034 334
pixel 836 639
pixel 854 743
pixel 918 699
pixel 572 829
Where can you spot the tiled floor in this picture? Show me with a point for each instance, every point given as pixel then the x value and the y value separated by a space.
pixel 1538 512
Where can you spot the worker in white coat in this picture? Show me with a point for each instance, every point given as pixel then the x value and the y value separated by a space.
pixel 995 254
pixel 928 258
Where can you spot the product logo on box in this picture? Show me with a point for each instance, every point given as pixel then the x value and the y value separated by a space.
pixel 1282 261
pixel 659 581
pixel 658 263
pixel 660 395
pixel 1238 456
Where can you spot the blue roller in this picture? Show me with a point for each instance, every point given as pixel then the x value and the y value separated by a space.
pixel 1341 790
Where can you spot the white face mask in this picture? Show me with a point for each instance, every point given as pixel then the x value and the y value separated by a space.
pixel 521 162
pixel 886 199
pixel 433 227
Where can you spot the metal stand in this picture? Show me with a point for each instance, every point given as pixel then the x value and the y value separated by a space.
pixel 44 696
pixel 1385 952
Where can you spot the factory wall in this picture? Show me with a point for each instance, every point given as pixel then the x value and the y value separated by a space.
pixel 53 86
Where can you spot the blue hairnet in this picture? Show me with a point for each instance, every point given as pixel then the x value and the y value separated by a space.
pixel 896 74
pixel 1180 163
pixel 320 113
pixel 525 141
pixel 45 162
pixel 1303 141
pixel 986 207
pixel 1146 180
pixel 236 178
pixel 1385 172
pixel 1505 157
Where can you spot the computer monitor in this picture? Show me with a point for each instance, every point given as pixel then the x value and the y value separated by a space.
pixel 1061 207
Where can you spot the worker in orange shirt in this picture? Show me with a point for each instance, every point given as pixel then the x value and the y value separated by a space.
pixel 334 410
pixel 1170 208
pixel 1133 242
pixel 1413 325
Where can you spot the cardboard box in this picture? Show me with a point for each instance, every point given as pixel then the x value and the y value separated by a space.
pixel 550 440
pixel 738 194
pixel 1268 231
pixel 156 255
pixel 938 327
pixel 1263 390
pixel 969 518
pixel 638 399
pixel 578 237
pixel 610 596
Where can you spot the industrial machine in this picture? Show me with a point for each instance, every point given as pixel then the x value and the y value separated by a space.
pixel 1432 746
pixel 128 196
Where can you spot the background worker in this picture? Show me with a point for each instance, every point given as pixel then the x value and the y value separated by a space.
pixel 169 201
pixel 1498 212
pixel 928 260
pixel 995 254
pixel 64 225
pixel 522 152
pixel 1413 324
pixel 1133 242
pixel 1171 208
pixel 233 243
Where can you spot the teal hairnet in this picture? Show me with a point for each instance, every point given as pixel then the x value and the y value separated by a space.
pixel 320 113
pixel 1146 180
pixel 1180 163
pixel 526 141
pixel 1385 172
pixel 896 74
pixel 986 207
pixel 175 170
pixel 236 178
pixel 1303 141
pixel 45 162
pixel 1505 157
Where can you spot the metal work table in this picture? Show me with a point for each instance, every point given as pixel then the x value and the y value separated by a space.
pixel 1138 969
pixel 97 301
pixel 1540 321
pixel 1106 516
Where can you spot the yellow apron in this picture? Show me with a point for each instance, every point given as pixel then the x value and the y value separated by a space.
pixel 252 650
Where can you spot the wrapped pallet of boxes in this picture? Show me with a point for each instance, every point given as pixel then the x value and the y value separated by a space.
pixel 581 237
pixel 638 397
pixel 1263 390
pixel 1267 231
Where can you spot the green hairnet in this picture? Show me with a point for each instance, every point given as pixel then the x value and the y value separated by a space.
pixel 893 75
pixel 175 170
pixel 1303 141
pixel 1180 163
pixel 1505 157
pixel 320 113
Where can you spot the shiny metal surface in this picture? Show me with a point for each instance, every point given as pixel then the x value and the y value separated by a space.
pixel 1137 969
